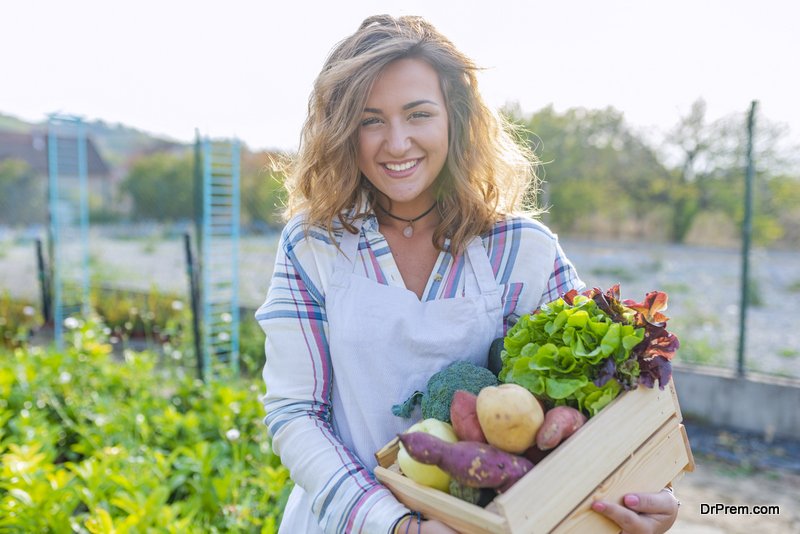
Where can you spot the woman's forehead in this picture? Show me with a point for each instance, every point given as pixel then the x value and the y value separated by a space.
pixel 406 81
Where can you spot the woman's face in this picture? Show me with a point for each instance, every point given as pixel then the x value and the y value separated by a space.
pixel 402 142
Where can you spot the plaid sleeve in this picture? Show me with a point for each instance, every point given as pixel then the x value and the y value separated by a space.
pixel 342 493
pixel 563 278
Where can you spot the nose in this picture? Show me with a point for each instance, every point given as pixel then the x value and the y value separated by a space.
pixel 398 140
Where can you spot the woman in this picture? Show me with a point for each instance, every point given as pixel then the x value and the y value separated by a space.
pixel 401 256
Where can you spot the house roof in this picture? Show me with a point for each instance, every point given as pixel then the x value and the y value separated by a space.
pixel 32 148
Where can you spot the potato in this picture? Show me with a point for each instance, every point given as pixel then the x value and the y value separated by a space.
pixel 509 416
pixel 464 417
pixel 559 424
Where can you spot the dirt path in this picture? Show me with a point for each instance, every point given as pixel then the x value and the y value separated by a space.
pixel 718 482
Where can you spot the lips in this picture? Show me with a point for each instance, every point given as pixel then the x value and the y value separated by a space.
pixel 401 170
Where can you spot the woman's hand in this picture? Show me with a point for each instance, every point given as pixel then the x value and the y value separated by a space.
pixel 427 526
pixel 643 513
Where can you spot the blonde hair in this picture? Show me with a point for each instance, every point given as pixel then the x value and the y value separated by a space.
pixel 486 175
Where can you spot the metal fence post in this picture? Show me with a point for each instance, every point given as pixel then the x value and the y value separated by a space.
pixel 747 231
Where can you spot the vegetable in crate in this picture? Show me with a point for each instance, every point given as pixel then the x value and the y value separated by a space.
pixel 582 350
pixel 559 424
pixel 422 473
pixel 509 416
pixel 478 496
pixel 441 388
pixel 473 464
pixel 464 417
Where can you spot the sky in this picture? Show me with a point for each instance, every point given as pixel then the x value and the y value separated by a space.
pixel 245 68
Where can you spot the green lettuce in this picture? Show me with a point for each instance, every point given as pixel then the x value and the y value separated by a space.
pixel 572 354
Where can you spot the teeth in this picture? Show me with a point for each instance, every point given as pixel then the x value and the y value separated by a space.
pixel 402 167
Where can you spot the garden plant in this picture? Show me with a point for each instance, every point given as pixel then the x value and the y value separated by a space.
pixel 90 443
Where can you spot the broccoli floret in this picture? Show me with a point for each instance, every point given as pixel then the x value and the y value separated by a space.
pixel 478 496
pixel 465 493
pixel 441 388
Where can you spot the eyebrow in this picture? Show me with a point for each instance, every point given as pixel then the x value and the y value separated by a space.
pixel 405 107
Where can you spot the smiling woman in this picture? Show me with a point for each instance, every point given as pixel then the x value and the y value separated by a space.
pixel 402 143
pixel 406 250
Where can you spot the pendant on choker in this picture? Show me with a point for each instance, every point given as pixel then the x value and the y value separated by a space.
pixel 408 231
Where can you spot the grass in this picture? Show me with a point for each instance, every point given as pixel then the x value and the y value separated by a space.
pixel 789 353
pixel 700 352
pixel 151 244
pixel 621 274
pixel 678 287
pixel 794 287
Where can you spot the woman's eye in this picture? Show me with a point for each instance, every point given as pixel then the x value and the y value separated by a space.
pixel 420 115
pixel 369 121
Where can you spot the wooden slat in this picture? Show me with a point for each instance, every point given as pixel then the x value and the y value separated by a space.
pixel 650 468
pixel 388 453
pixel 671 387
pixel 461 515
pixel 542 498
pixel 690 467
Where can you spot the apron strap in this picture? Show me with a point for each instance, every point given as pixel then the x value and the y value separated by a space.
pixel 481 266
pixel 345 260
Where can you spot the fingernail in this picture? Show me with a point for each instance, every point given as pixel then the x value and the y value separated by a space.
pixel 598 507
pixel 631 500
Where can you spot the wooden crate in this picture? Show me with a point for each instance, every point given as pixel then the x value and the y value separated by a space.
pixel 635 444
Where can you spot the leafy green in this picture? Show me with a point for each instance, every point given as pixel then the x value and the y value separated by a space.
pixel 582 350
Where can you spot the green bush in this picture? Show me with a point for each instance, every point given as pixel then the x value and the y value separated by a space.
pixel 18 319
pixel 91 445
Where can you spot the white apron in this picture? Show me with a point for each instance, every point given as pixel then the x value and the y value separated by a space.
pixel 385 344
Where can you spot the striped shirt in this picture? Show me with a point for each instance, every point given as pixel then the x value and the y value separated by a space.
pixel 530 269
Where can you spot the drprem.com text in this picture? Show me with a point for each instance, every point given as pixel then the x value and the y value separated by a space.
pixel 724 509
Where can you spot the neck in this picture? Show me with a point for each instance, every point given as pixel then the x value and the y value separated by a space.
pixel 409 219
pixel 408 222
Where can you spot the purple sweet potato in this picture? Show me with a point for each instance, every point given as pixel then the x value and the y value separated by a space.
pixel 474 464
pixel 559 424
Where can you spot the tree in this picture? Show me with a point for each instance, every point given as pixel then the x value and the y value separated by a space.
pixel 595 165
pixel 710 174
pixel 23 194
pixel 262 190
pixel 161 186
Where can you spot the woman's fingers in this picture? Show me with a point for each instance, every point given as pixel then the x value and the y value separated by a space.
pixel 628 520
pixel 651 503
pixel 643 513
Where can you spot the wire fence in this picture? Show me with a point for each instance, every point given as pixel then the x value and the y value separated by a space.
pixel 136 243
pixel 703 284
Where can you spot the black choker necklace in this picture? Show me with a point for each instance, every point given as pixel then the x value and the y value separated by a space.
pixel 408 231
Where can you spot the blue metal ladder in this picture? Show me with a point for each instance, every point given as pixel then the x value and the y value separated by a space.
pixel 69 220
pixel 220 253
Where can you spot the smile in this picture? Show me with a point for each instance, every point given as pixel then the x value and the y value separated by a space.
pixel 403 166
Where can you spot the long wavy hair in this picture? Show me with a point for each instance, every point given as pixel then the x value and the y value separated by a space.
pixel 487 173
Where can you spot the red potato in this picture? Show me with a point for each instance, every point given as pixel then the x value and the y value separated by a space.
pixel 464 417
pixel 559 424
pixel 473 464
